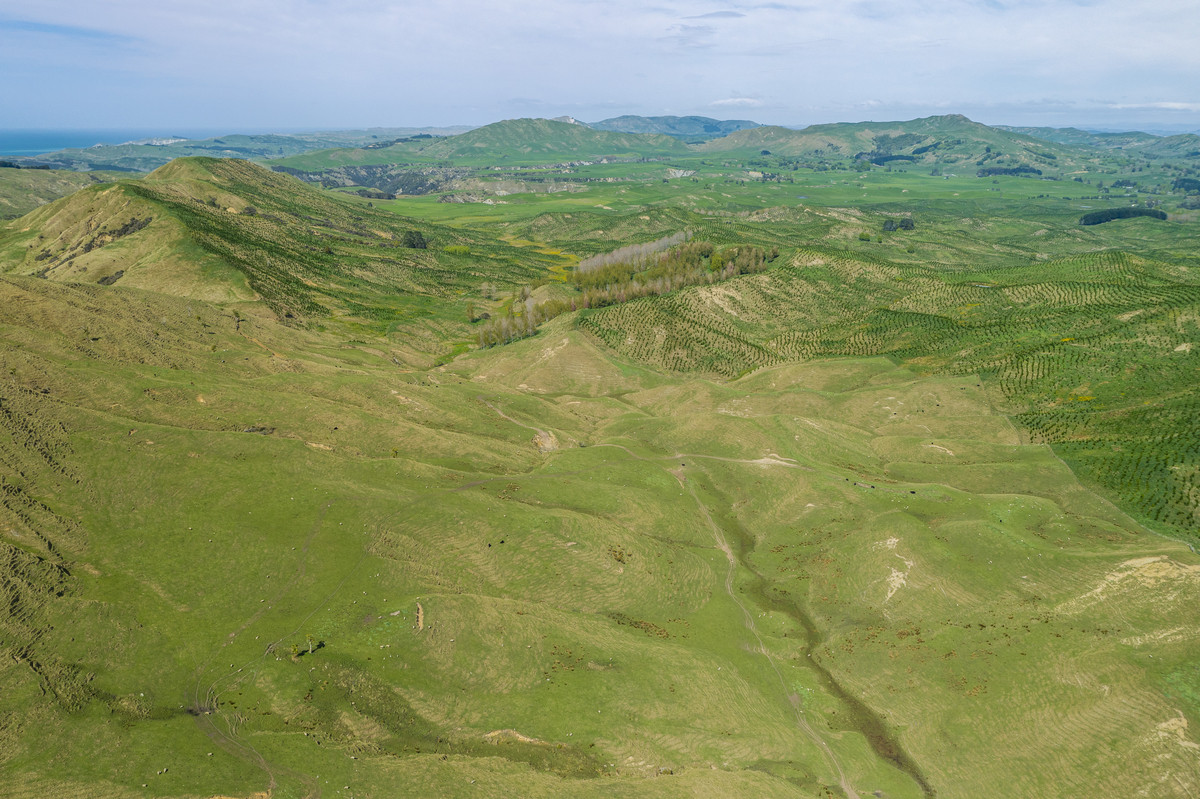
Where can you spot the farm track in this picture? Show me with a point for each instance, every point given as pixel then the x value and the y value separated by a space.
pixel 722 543
pixel 503 415
pixel 733 562
pixel 871 728
pixel 206 710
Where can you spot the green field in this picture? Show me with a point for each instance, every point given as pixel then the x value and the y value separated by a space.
pixel 905 513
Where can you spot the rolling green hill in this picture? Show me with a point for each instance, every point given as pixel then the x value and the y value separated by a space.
pixel 1097 365
pixel 1185 145
pixel 951 139
pixel 537 141
pixel 1084 138
pixel 513 142
pixel 525 156
pixel 229 230
pixel 907 512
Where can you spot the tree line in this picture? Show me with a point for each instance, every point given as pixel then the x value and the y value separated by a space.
pixel 1108 215
pixel 635 254
pixel 612 283
pixel 1015 171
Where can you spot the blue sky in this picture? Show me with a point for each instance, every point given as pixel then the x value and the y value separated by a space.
pixel 289 64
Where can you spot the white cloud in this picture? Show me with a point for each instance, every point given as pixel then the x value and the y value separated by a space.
pixel 1166 106
pixel 355 62
pixel 737 102
pixel 691 35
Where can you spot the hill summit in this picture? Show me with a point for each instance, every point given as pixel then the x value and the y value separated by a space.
pixel 947 139
pixel 546 139
pixel 230 230
pixel 690 127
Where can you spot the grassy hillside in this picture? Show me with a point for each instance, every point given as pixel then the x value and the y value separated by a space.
pixel 1097 364
pixel 1085 138
pixel 22 190
pixel 885 519
pixel 1185 145
pixel 229 230
pixel 795 583
pixel 546 157
pixel 404 152
pixel 507 143
pixel 952 139
pixel 537 141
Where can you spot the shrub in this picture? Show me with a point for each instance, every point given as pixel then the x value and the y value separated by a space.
pixel 414 240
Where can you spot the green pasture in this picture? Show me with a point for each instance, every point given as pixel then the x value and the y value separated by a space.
pixel 908 514
pixel 565 617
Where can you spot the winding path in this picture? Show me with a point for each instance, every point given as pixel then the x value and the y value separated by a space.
pixel 801 721
pixel 771 459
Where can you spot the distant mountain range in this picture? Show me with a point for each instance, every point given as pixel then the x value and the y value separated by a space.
pixel 1185 145
pixel 691 127
pixel 951 140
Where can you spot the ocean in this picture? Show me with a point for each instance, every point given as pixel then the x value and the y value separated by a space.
pixel 36 142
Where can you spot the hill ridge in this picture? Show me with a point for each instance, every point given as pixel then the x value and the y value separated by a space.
pixel 230 230
pixel 678 126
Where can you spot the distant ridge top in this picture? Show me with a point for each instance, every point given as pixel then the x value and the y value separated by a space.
pixel 542 140
pixel 689 126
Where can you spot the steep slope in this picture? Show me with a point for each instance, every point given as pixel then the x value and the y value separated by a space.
pixel 228 230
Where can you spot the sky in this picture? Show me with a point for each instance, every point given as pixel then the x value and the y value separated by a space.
pixel 261 65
